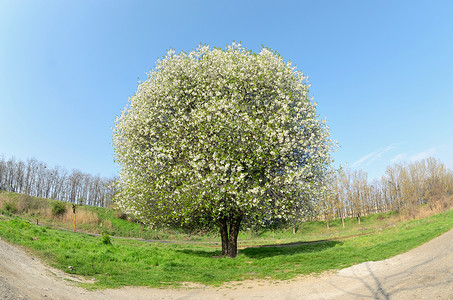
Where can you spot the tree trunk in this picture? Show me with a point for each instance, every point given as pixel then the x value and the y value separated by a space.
pixel 235 224
pixel 224 235
pixel 326 217
pixel 230 237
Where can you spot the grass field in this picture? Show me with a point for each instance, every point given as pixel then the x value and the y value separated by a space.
pixel 313 249
pixel 98 219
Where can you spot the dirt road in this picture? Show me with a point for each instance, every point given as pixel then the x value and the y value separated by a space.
pixel 422 273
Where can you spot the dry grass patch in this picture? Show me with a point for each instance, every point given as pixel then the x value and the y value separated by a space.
pixel 82 217
pixel 44 208
pixel 435 206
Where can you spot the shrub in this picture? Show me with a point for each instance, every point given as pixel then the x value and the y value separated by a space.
pixel 29 204
pixel 10 207
pixel 105 238
pixel 58 209
pixel 120 215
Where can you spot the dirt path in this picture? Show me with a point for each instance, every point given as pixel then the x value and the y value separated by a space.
pixel 422 273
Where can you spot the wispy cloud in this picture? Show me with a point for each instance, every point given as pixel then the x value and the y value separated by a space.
pixel 398 158
pixel 422 155
pixel 371 157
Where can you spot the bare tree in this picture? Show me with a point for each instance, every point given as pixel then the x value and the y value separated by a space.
pixel 37 179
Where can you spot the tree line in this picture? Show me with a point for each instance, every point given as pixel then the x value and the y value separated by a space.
pixel 402 187
pixel 348 194
pixel 37 179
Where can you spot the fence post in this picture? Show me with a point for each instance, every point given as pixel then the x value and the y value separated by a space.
pixel 73 210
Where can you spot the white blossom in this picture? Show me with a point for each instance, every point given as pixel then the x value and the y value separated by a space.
pixel 219 130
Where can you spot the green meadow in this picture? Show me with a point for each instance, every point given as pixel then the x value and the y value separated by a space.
pixel 181 258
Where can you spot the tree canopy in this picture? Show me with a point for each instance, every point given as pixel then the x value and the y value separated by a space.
pixel 216 137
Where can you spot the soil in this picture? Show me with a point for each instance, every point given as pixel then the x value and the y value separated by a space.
pixel 425 272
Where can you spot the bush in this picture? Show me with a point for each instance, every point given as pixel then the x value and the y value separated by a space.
pixel 29 204
pixel 105 238
pixel 58 208
pixel 120 215
pixel 10 207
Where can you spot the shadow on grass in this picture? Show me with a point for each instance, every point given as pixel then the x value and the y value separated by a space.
pixel 271 250
pixel 201 253
pixel 288 249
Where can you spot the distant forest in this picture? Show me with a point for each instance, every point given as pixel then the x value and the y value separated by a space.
pixel 35 178
pixel 403 188
pixel 348 192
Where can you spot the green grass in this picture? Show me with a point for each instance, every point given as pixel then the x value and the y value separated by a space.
pixel 317 230
pixel 32 208
pixel 108 221
pixel 138 263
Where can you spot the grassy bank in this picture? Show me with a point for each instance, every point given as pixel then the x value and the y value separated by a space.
pixel 99 219
pixel 138 263
pixel 89 219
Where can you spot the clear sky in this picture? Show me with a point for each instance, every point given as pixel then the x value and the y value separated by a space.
pixel 381 71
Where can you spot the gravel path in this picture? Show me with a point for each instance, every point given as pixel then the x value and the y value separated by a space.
pixel 422 273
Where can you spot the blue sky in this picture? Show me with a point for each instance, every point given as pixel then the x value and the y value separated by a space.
pixel 381 71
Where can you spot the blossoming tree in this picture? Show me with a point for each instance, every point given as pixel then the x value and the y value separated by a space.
pixel 215 137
